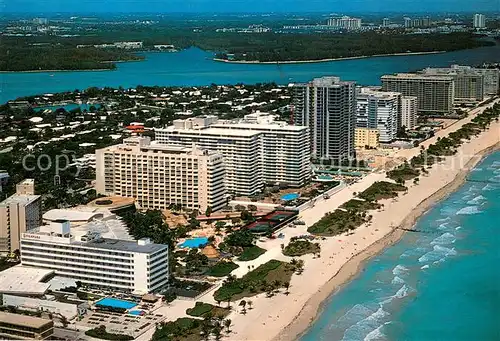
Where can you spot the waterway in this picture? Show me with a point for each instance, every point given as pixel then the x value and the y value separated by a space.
pixel 196 67
pixel 443 284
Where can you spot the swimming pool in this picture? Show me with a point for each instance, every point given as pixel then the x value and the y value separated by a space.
pixel 115 303
pixel 290 196
pixel 136 312
pixel 194 242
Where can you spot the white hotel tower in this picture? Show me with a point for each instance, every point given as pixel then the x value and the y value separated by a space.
pixel 137 267
pixel 159 175
pixel 257 150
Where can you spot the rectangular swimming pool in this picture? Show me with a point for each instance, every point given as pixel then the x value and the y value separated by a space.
pixel 115 303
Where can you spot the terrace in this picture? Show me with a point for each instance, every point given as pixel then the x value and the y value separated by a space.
pixel 271 222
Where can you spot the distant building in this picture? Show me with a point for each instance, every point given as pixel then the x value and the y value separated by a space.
pixel 386 22
pixel 327 106
pixel 417 22
pixel 409 109
pixel 345 22
pixel 378 110
pixel 407 22
pixel 366 137
pixel 257 149
pixel 23 327
pixel 22 105
pixel 479 21
pixel 491 79
pixel 137 267
pixel 435 93
pixel 469 84
pixel 158 175
pixel 19 213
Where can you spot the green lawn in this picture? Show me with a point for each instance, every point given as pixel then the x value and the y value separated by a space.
pixel 221 269
pixel 250 253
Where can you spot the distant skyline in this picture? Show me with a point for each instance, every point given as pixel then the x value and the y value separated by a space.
pixel 249 6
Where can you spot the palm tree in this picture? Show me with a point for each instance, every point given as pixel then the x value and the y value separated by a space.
pixel 227 324
pixel 287 286
pixel 249 304
pixel 243 304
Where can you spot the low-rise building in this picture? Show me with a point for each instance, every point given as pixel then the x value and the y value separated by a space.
pixel 23 327
pixel 366 138
pixel 137 267
pixel 67 308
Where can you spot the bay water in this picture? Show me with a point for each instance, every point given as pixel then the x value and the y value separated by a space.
pixel 193 67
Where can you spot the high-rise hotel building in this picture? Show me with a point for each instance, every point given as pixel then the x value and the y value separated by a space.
pixel 409 109
pixel 137 267
pixel 435 94
pixel 19 213
pixel 327 106
pixel 159 175
pixel 469 84
pixel 257 150
pixel 345 22
pixel 378 110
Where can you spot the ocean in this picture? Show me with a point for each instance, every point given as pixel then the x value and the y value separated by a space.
pixel 441 284
pixel 195 67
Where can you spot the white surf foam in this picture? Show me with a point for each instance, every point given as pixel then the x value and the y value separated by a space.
pixel 364 327
pixel 458 228
pixel 399 270
pixel 376 335
pixel 468 210
pixel 489 187
pixel 397 280
pixel 445 238
pixel 476 201
pixel 438 253
pixel 426 266
pixel 443 219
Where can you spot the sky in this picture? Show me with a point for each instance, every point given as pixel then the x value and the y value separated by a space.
pixel 225 6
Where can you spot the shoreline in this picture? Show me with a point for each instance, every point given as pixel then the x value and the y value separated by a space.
pixel 44 71
pixel 324 60
pixel 314 306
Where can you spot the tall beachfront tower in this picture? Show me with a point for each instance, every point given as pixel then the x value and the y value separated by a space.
pixel 479 21
pixel 378 110
pixel 327 106
pixel 257 149
pixel 435 94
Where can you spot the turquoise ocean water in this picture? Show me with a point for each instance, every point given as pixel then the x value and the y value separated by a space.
pixel 443 284
pixel 195 67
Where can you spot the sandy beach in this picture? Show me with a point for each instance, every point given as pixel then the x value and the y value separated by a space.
pixel 323 60
pixel 283 317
